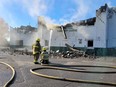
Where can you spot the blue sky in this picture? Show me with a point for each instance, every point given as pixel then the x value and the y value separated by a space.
pixel 24 12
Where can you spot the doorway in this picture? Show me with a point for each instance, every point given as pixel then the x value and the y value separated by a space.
pixel 90 43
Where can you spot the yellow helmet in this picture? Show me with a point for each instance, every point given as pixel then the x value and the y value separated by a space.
pixel 44 48
pixel 38 40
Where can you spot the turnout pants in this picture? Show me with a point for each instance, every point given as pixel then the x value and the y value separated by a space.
pixel 36 57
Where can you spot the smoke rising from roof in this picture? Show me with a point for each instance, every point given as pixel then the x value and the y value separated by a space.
pixel 47 23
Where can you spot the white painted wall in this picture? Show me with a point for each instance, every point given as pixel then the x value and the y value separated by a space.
pixel 28 39
pixel 111 31
pixel 43 34
pixel 100 30
pixel 85 33
pixel 57 38
pixel 82 32
pixel 71 36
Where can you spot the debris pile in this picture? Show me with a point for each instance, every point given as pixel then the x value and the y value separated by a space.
pixel 71 53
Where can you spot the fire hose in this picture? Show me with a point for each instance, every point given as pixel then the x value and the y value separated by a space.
pixel 54 67
pixel 12 77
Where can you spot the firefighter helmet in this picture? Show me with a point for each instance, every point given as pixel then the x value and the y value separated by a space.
pixel 44 48
pixel 38 40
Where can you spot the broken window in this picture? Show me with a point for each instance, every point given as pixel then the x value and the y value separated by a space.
pixel 90 43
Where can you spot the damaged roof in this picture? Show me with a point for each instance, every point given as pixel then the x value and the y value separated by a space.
pixel 103 8
pixel 89 22
pixel 26 29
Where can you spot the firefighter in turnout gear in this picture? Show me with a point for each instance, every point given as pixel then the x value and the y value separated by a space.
pixel 44 56
pixel 36 50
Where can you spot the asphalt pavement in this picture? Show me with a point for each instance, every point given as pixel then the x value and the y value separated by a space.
pixel 23 63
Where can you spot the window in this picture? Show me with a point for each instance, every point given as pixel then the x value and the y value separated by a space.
pixel 19 42
pixel 46 42
pixel 80 41
pixel 90 43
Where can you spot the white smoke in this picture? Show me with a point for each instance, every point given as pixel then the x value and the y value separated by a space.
pixel 47 22
pixel 37 7
pixel 3 32
pixel 81 11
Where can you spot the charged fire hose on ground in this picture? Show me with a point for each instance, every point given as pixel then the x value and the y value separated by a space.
pixel 54 67
pixel 13 74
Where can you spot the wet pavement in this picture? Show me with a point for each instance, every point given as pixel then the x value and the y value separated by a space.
pixel 23 64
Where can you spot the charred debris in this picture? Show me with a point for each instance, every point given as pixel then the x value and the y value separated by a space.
pixel 25 29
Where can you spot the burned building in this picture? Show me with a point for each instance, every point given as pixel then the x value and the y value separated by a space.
pixel 22 36
pixel 97 33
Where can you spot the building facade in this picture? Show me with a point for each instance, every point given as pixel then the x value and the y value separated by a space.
pixel 96 33
pixel 23 36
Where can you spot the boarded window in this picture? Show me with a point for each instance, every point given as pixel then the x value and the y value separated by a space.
pixel 46 42
pixel 90 43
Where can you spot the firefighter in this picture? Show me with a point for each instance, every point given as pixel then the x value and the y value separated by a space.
pixel 36 50
pixel 44 56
